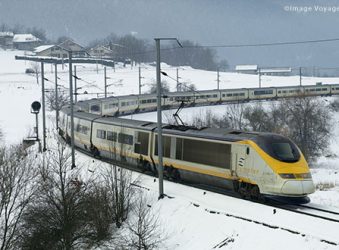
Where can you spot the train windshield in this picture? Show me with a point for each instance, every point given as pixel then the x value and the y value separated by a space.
pixel 280 148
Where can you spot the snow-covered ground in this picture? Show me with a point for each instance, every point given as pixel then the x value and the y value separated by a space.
pixel 191 219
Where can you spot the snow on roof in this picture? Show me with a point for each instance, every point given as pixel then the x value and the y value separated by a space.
pixel 246 67
pixel 275 70
pixel 6 33
pixel 25 38
pixel 42 48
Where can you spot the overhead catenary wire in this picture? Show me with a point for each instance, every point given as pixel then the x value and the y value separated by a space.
pixel 237 45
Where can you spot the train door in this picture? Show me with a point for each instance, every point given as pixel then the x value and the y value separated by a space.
pixel 238 158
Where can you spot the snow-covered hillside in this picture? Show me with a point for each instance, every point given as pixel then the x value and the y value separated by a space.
pixel 192 219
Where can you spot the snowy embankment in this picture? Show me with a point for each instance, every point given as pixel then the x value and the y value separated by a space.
pixel 191 219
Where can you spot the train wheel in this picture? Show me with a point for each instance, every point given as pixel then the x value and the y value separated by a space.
pixel 255 193
pixel 176 175
pixel 95 151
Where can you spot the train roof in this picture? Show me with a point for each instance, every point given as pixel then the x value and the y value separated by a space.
pixel 221 134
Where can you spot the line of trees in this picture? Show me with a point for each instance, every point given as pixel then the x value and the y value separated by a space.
pixel 142 50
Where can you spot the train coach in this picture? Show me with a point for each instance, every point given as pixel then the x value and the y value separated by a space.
pixel 253 164
pixel 128 104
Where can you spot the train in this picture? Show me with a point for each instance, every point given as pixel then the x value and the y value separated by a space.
pixel 253 164
pixel 124 105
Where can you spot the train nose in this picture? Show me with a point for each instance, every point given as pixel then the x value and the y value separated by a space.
pixel 294 187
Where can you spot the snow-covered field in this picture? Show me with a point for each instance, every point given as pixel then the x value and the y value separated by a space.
pixel 191 219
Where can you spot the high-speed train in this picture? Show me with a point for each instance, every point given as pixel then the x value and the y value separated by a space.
pixel 251 163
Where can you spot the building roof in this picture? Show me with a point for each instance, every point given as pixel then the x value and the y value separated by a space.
pixel 246 67
pixel 42 48
pixel 70 45
pixel 276 70
pixel 25 38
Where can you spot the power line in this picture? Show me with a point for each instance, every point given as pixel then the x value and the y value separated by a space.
pixel 265 44
pixel 237 45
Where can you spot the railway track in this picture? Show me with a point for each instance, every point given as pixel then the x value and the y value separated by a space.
pixel 308 210
pixel 324 214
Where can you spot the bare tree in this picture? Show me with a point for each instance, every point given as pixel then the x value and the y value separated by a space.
pixel 53 103
pixel 308 121
pixel 16 191
pixel 36 68
pixel 4 27
pixel 235 113
pixel 57 219
pixel 144 229
pixel 164 87
pixel 119 185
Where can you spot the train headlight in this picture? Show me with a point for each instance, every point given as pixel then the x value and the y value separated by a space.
pixel 287 176
pixel 304 176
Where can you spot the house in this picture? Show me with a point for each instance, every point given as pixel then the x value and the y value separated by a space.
pixel 246 69
pixel 6 40
pixel 25 41
pixel 61 50
pixel 102 51
pixel 77 49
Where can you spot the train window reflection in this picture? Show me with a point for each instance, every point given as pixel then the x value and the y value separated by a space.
pixel 283 151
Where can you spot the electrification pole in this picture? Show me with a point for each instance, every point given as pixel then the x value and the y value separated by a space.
pixel 259 72
pixel 71 106
pixel 75 85
pixel 140 80
pixel 43 107
pixel 178 79
pixel 218 79
pixel 159 118
pixel 300 76
pixel 105 82
pixel 56 96
pixel 160 163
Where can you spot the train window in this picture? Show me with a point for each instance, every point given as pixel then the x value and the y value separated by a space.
pixel 178 153
pixel 229 95
pixel 324 89
pixel 318 90
pixel 166 146
pixel 125 139
pixel 101 134
pixel 111 136
pixel 279 148
pixel 242 94
pixel 283 151
pixel 208 153
pixel 215 95
pixel 82 129
pixel 263 92
pixel 247 151
pixel 279 92
pixel 142 144
pixel 95 108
